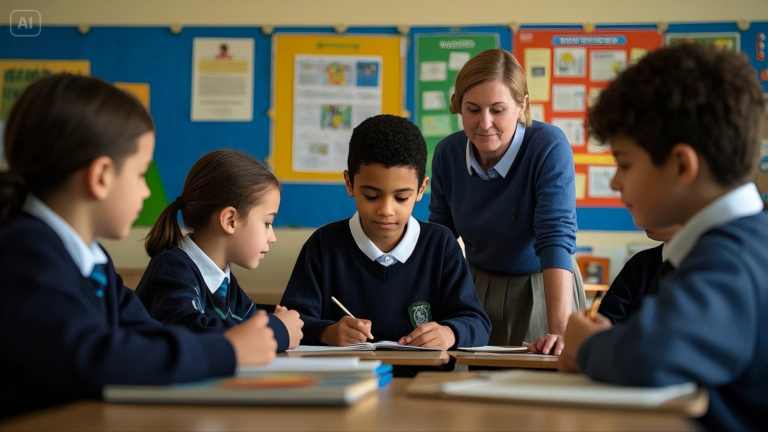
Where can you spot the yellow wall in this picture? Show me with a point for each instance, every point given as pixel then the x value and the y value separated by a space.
pixel 273 274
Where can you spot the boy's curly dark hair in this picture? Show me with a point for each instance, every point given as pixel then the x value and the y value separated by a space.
pixel 387 140
pixel 691 93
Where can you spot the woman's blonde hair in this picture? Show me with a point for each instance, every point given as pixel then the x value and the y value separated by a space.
pixel 491 65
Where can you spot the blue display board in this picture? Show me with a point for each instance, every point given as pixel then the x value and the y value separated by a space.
pixel 155 56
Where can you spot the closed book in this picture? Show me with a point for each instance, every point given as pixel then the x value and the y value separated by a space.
pixel 275 389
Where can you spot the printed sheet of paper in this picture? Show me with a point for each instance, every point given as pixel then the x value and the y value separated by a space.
pixel 436 125
pixel 456 60
pixel 568 97
pixel 570 62
pixel 537 112
pixel 332 94
pixel 573 128
pixel 594 146
pixel 581 186
pixel 433 71
pixel 600 182
pixel 635 54
pixel 605 65
pixel 594 94
pixel 538 66
pixel 222 79
pixel 433 100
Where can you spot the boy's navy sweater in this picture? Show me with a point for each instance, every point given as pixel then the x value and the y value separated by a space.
pixel 60 342
pixel 709 324
pixel 331 264
pixel 518 224
pixel 632 284
pixel 174 292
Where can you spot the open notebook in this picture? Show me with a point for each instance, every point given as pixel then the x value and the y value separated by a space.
pixel 495 349
pixel 275 389
pixel 365 346
pixel 562 389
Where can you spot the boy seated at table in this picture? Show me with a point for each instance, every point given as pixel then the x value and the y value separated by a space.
pixel 684 126
pixel 409 278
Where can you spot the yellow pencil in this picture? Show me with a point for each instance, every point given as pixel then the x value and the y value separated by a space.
pixel 595 305
pixel 370 335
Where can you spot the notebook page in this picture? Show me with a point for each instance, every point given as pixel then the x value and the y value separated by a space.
pixel 565 388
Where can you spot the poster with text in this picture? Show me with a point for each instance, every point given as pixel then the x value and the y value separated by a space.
pixel 222 79
pixel 439 58
pixel 332 94
pixel 566 70
pixel 16 75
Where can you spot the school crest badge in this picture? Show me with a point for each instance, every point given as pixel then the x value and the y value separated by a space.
pixel 420 313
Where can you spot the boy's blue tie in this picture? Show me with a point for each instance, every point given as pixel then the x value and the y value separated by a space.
pixel 98 279
pixel 222 290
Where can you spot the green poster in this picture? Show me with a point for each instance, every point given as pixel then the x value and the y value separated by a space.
pixel 14 82
pixel 156 203
pixel 438 60
pixel 730 41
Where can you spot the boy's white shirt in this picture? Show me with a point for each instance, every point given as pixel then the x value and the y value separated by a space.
pixel 212 274
pixel 401 252
pixel 85 256
pixel 741 202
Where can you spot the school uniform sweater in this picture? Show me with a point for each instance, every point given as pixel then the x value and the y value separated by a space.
pixel 174 292
pixel 709 324
pixel 60 342
pixel 632 284
pixel 517 224
pixel 433 284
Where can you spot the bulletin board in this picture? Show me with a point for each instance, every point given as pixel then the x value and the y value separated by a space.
pixel 329 102
pixel 436 56
pixel 157 63
pixel 566 70
pixel 752 41
pixel 155 60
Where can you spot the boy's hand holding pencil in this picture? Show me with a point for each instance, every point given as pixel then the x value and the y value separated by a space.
pixel 349 330
pixel 581 326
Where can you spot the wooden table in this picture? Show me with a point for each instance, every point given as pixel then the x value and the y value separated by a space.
pixel 428 384
pixel 394 358
pixel 595 288
pixel 391 409
pixel 521 361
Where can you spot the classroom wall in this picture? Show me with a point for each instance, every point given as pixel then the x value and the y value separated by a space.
pixel 275 270
pixel 382 13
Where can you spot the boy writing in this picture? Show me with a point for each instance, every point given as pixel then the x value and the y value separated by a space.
pixel 409 278
pixel 684 126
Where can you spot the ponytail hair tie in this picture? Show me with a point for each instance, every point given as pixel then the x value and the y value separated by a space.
pixel 180 202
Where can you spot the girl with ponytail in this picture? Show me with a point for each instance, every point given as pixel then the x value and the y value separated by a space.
pixel 228 204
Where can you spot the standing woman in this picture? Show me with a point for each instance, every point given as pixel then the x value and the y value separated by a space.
pixel 505 185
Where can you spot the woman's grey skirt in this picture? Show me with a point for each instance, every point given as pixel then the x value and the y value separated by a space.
pixel 516 304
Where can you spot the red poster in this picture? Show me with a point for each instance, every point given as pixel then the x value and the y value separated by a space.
pixel 566 70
